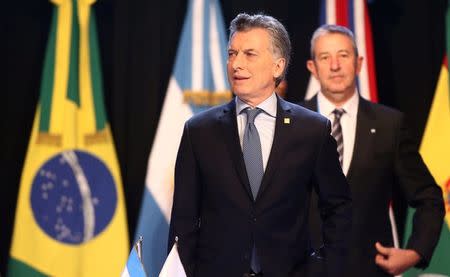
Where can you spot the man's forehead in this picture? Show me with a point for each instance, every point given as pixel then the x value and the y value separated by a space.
pixel 334 38
pixel 339 50
pixel 334 42
pixel 249 39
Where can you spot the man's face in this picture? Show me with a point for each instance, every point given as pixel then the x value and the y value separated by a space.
pixel 252 67
pixel 335 66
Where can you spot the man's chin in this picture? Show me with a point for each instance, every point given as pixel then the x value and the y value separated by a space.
pixel 238 90
pixel 340 94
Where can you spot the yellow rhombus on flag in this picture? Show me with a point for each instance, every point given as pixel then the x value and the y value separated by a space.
pixel 70 218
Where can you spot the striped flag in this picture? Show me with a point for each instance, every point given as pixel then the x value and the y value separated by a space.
pixel 354 15
pixel 198 81
pixel 70 216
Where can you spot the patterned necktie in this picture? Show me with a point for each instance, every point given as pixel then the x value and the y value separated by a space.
pixel 251 148
pixel 336 132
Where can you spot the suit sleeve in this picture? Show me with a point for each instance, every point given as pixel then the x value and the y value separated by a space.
pixel 334 204
pixel 422 193
pixel 185 222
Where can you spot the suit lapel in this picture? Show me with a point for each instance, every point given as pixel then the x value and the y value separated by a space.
pixel 364 137
pixel 364 134
pixel 230 132
pixel 281 132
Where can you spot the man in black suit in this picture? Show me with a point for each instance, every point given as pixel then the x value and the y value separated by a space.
pixel 378 156
pixel 228 224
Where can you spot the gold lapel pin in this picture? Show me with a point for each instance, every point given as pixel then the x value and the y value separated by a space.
pixel 287 120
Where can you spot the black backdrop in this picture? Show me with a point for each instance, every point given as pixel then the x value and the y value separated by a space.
pixel 138 40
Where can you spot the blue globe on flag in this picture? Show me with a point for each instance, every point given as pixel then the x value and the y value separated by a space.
pixel 73 197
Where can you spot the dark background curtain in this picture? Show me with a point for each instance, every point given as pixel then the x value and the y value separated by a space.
pixel 138 40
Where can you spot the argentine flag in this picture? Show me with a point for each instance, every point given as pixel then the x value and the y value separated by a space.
pixel 134 266
pixel 198 81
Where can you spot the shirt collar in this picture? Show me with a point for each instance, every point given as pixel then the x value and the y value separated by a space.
pixel 269 106
pixel 326 108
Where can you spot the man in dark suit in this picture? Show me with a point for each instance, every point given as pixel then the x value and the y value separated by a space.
pixel 228 219
pixel 378 156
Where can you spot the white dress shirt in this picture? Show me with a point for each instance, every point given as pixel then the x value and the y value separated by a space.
pixel 348 123
pixel 264 123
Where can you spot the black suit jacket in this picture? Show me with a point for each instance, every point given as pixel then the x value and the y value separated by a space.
pixel 385 158
pixel 215 217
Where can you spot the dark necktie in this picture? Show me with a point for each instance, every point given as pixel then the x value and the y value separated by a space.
pixel 251 148
pixel 336 132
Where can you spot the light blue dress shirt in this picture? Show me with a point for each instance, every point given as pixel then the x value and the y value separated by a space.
pixel 264 122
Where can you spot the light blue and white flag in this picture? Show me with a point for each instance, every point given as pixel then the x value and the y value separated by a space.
pixel 134 266
pixel 198 81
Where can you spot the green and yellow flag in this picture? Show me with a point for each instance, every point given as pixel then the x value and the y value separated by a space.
pixel 435 151
pixel 70 218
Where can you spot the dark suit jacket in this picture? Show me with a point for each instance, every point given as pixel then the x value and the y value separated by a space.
pixel 214 215
pixel 385 158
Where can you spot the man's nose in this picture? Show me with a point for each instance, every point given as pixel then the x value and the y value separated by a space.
pixel 335 64
pixel 237 62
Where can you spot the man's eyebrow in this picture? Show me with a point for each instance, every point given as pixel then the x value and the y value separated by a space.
pixel 323 53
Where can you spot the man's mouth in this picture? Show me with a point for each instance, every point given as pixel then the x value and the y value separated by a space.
pixel 240 78
pixel 336 77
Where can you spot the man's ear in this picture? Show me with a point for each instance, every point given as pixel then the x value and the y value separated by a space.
pixel 359 61
pixel 312 68
pixel 279 67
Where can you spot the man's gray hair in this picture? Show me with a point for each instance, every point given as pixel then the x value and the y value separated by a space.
pixel 281 44
pixel 332 29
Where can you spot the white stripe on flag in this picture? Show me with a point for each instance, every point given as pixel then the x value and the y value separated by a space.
pixel 216 55
pixel 164 150
pixel 125 273
pixel 360 36
pixel 197 45
pixel 330 12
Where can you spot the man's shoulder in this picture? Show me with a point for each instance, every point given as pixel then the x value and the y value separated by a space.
pixel 303 111
pixel 376 108
pixel 210 114
pixel 380 110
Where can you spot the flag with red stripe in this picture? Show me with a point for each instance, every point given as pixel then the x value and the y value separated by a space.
pixel 354 15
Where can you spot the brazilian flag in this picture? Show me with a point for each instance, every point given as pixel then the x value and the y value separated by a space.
pixel 70 217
